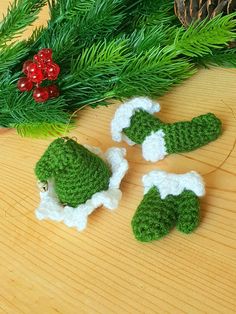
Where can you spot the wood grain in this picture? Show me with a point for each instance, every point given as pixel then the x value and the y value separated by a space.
pixel 46 267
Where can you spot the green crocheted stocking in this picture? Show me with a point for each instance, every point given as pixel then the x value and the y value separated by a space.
pixel 158 139
pixel 76 172
pixel 170 200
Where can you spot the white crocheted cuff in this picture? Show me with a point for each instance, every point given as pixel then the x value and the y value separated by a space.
pixel 50 207
pixel 173 184
pixel 124 113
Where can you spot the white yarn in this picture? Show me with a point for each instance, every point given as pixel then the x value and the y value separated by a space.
pixel 124 113
pixel 51 208
pixel 173 184
pixel 154 146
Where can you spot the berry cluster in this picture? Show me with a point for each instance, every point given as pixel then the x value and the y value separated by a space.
pixel 40 68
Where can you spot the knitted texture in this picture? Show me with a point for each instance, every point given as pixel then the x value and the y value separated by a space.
pixel 159 139
pixel 77 173
pixel 156 216
pixel 179 136
pixel 51 208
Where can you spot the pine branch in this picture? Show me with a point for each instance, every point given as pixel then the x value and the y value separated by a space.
pixel 92 75
pixel 12 55
pixel 17 108
pixel 64 9
pixel 224 58
pixel 151 73
pixel 93 21
pixel 20 14
pixel 201 38
pixel 42 130
pixel 152 36
pixel 144 13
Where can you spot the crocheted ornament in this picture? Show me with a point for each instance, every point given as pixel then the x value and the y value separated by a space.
pixel 169 200
pixel 135 123
pixel 78 180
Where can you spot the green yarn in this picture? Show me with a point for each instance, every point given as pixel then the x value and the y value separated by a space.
pixel 188 212
pixel 142 124
pixel 179 137
pixel 76 172
pixel 155 217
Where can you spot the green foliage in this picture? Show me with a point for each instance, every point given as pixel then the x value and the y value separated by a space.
pixel 224 58
pixel 80 25
pixel 41 129
pixel 20 14
pixel 149 37
pixel 17 108
pixel 148 13
pixel 12 55
pixel 94 72
pixel 105 49
pixel 151 73
pixel 201 38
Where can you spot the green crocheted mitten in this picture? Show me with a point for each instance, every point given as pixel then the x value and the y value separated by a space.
pixel 187 212
pixel 169 200
pixel 77 172
pixel 154 217
pixel 135 123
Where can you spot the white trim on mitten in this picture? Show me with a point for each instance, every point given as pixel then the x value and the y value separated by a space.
pixel 51 208
pixel 173 184
pixel 124 113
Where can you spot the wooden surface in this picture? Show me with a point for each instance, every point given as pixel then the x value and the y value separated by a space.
pixel 46 267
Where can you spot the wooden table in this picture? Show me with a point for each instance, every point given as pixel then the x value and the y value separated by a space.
pixel 46 267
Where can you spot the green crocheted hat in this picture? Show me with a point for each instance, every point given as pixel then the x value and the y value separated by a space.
pixel 75 180
pixel 169 200
pixel 135 123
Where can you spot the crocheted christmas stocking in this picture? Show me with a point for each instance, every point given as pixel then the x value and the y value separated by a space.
pixel 134 122
pixel 169 200
pixel 78 180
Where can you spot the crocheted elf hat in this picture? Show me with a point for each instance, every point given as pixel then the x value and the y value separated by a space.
pixel 135 123
pixel 75 180
pixel 169 200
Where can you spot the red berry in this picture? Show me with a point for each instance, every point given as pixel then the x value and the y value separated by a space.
pixel 24 84
pixel 32 68
pixel 40 94
pixel 52 70
pixel 53 91
pixel 41 65
pixel 26 65
pixel 36 76
pixel 37 59
pixel 45 53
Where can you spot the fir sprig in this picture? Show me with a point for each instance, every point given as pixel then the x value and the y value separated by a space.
pixel 201 38
pixel 20 14
pixel 100 20
pixel 12 55
pixel 158 71
pixel 41 129
pixel 224 58
pixel 94 72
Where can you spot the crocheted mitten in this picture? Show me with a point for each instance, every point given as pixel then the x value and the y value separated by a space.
pixel 169 200
pixel 134 122
pixel 78 180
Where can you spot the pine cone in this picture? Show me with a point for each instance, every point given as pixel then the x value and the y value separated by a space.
pixel 191 10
